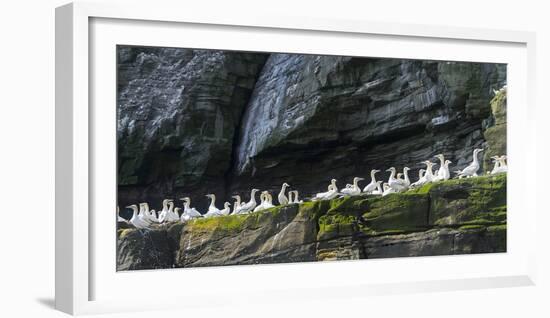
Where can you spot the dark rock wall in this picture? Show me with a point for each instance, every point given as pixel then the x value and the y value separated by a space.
pixel 192 122
pixel 178 111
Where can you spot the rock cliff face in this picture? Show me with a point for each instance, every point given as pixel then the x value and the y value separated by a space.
pixel 178 111
pixel 452 217
pixel 312 118
pixel 192 122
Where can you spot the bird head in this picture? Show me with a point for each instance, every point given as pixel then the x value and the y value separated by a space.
pixel 392 169
pixel 133 206
pixel 358 179
pixel 185 199
pixel 236 196
pixel 406 169
pixel 439 156
pixel 286 185
pixel 448 162
pixel 209 195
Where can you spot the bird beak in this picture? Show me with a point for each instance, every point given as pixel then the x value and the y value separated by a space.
pixel 389 170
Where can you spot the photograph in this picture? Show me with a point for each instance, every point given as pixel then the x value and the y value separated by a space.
pixel 239 158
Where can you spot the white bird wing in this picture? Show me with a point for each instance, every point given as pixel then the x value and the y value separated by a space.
pixel 321 195
pixel 370 187
pixel 192 212
pixel 469 170
pixel 347 191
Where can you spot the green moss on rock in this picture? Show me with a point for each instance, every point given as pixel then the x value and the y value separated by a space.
pixel 397 212
pixel 480 200
pixel 334 225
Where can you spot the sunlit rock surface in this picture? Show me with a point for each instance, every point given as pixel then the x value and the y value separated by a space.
pixel 452 217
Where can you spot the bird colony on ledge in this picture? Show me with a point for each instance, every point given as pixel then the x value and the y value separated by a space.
pixel 143 217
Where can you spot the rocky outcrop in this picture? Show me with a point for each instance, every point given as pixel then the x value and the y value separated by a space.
pixel 453 217
pixel 178 111
pixel 495 133
pixel 192 122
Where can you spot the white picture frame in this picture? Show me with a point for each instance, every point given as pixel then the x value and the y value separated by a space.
pixel 81 28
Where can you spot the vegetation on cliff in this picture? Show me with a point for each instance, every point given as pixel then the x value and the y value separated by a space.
pixel 450 217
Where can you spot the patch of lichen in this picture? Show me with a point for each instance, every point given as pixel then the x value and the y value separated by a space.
pixel 239 222
pixel 229 223
pixel 124 232
pixel 398 212
pixel 471 227
pixel 495 134
pixel 314 210
pixel 480 200
pixel 498 107
pixel 334 225
pixel 355 206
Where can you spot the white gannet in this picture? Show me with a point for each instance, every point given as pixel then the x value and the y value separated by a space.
pixel 295 195
pixel 163 215
pixel 136 221
pixel 250 205
pixel 282 197
pixel 443 172
pixel 503 164
pixel 378 190
pixel 397 184
pixel 388 189
pixel 212 209
pixel 330 194
pixel 237 203
pixel 118 217
pixel 226 208
pixel 372 185
pixel 177 212
pixel 188 212
pixel 407 181
pixel 269 200
pixel 266 201
pixel 171 216
pixel 429 176
pixel 153 216
pixel 472 168
pixel 500 165
pixel 421 179
pixel 263 198
pixel 496 167
pixel 438 172
pixel 354 189
pixel 144 213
